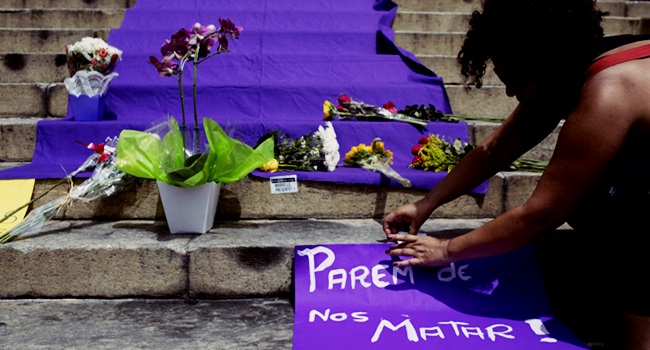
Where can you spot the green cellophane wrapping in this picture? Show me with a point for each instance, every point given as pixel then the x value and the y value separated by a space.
pixel 145 155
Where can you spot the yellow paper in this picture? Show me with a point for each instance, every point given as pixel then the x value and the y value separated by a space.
pixel 13 194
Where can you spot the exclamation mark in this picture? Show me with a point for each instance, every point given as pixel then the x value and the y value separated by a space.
pixel 538 327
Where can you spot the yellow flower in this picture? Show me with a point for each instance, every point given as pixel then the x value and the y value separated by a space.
pixel 328 110
pixel 271 166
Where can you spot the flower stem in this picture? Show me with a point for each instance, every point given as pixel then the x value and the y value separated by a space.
pixel 196 116
pixel 180 88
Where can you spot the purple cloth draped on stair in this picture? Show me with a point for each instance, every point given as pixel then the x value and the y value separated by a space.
pixel 291 56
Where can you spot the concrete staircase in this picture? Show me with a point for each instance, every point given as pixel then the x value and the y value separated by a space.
pixel 108 275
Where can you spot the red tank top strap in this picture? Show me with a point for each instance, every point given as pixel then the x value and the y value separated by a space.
pixel 616 58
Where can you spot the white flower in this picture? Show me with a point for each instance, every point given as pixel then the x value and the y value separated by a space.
pixel 330 145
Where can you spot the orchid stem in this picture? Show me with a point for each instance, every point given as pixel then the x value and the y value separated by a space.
pixel 180 88
pixel 196 116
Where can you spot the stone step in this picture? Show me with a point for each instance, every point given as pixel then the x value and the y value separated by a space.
pixel 26 40
pixel 171 324
pixel 61 18
pixel 418 21
pixel 238 259
pixel 139 258
pixel 98 282
pixel 66 4
pixel 612 8
pixel 250 198
pixel 33 100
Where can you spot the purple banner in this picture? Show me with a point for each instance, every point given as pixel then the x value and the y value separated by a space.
pixel 351 297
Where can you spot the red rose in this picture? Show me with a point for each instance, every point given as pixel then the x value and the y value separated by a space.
pixel 102 52
pixel 340 109
pixel 423 140
pixel 344 99
pixel 416 149
pixel 114 58
pixel 93 62
pixel 416 160
pixel 390 106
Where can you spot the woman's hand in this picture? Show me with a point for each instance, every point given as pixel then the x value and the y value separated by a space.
pixel 423 250
pixel 407 218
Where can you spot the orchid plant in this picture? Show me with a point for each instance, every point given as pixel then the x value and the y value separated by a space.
pixel 193 45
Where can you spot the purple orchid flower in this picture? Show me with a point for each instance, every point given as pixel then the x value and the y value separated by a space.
pixel 228 27
pixel 203 36
pixel 178 46
pixel 166 67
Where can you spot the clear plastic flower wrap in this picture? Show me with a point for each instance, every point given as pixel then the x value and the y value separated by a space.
pixel 105 181
pixel 350 109
pixel 90 83
pixel 375 158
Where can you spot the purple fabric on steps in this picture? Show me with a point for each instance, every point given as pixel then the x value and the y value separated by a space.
pixel 291 56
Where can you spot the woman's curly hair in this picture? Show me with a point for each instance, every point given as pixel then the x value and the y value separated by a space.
pixel 555 37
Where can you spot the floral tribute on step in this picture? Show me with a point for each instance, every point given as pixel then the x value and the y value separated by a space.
pixel 375 158
pixel 90 62
pixel 317 151
pixel 434 153
pixel 168 153
pixel 351 109
pixel 105 180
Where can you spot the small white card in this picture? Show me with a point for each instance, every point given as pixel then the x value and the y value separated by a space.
pixel 284 184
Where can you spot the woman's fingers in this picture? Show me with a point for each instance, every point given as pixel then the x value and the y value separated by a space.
pixel 409 262
pixel 408 238
pixel 399 251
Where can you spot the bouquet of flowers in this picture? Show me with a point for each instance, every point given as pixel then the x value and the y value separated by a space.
pixel 376 158
pixel 92 54
pixel 349 109
pixel 105 180
pixel 91 62
pixel 193 45
pixel 433 153
pixel 430 113
pixel 315 151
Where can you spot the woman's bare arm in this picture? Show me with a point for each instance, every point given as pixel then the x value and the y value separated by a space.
pixel 589 140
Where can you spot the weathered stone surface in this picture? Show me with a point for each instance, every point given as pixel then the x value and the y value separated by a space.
pixel 67 4
pixel 250 198
pixel 519 187
pixel 430 43
pixel 81 259
pixel 33 68
pixel 19 40
pixel 17 140
pixel 237 259
pixel 61 18
pixel 260 324
pixel 542 151
pixel 22 100
pixel 486 102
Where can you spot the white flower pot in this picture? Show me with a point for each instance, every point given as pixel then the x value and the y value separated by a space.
pixel 189 210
